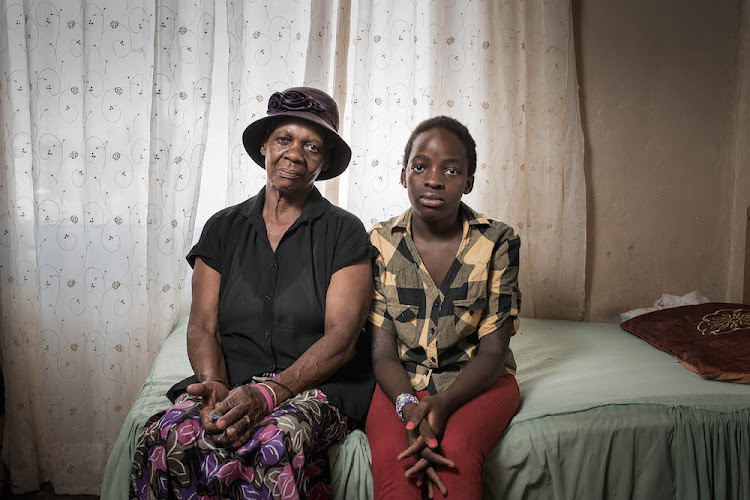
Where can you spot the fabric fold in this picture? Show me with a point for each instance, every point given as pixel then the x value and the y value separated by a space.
pixel 711 453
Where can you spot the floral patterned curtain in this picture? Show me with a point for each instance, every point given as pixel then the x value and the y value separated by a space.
pixel 504 68
pixel 103 107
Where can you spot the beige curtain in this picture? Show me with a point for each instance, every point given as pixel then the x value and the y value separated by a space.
pixel 103 107
pixel 505 69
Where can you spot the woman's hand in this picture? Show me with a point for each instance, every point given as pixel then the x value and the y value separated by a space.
pixel 211 394
pixel 240 413
pixel 423 443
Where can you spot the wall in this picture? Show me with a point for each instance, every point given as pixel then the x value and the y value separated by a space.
pixel 658 87
pixel 740 161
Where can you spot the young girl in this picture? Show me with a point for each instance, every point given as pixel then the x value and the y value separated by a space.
pixel 445 305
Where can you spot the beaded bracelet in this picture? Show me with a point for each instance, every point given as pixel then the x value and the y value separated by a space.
pixel 401 401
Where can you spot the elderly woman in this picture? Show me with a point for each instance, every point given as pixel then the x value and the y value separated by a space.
pixel 281 287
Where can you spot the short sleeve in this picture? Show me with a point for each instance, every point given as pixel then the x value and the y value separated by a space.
pixel 209 245
pixel 378 314
pixel 504 297
pixel 352 244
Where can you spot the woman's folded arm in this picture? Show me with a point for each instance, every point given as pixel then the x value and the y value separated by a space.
pixel 203 337
pixel 347 302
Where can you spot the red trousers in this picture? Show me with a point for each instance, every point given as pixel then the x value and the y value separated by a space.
pixel 469 435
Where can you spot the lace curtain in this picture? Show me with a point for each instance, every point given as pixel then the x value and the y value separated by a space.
pixel 104 109
pixel 505 69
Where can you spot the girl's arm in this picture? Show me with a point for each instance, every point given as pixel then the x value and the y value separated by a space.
pixel 393 380
pixel 479 374
pixel 389 372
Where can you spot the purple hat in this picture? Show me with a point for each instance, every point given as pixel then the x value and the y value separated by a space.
pixel 308 104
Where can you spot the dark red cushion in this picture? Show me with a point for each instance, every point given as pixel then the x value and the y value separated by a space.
pixel 712 340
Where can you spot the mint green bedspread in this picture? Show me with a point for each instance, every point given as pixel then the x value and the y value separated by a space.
pixel 603 415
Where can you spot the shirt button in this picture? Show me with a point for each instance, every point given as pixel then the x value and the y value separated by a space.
pixel 471 312
pixel 432 330
pixel 268 297
pixel 273 265
pixel 268 334
pixel 272 367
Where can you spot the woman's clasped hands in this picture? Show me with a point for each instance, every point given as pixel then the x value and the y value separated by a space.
pixel 227 416
pixel 425 424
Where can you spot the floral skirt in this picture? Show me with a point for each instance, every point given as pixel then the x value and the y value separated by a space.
pixel 286 457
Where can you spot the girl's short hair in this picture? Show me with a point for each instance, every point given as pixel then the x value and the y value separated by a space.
pixel 452 125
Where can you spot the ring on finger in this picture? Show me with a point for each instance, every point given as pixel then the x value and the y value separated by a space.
pixel 246 419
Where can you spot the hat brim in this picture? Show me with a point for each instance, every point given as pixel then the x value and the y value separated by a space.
pixel 255 134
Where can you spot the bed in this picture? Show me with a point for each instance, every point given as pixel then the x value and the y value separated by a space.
pixel 604 414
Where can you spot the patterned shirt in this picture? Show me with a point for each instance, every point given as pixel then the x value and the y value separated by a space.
pixel 438 329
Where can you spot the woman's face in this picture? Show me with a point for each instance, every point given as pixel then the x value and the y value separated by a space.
pixel 295 156
pixel 437 175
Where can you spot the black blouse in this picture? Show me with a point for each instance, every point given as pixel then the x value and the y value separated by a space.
pixel 272 305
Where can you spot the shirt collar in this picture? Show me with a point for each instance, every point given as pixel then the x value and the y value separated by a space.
pixel 474 218
pixel 403 221
pixel 314 207
pixel 470 216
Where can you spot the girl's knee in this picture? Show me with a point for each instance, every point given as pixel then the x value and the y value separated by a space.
pixel 385 454
pixel 464 457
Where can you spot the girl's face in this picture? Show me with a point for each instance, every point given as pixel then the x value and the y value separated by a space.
pixel 437 175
